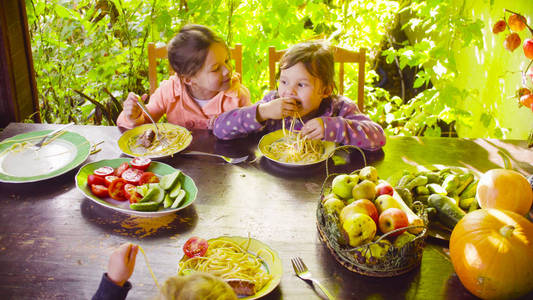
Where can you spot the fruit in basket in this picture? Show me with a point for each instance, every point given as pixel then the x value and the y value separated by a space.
pixel 376 251
pixel 504 189
pixel 403 239
pixel 369 173
pixel 362 206
pixel 358 229
pixel 392 219
pixel 343 184
pixel 492 253
pixel 333 205
pixel 385 201
pixel 365 189
pixel 384 188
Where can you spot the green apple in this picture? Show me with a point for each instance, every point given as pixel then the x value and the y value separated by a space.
pixel 386 201
pixel 333 205
pixel 369 173
pixel 365 189
pixel 359 229
pixel 343 184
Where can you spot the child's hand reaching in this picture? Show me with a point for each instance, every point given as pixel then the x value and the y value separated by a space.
pixel 122 263
pixel 131 109
pixel 313 129
pixel 278 109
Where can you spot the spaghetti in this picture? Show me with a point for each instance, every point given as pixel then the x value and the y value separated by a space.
pixel 175 137
pixel 229 260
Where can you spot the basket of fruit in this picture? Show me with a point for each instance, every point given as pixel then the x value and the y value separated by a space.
pixel 368 227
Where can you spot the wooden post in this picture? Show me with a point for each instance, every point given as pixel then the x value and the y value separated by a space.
pixel 18 89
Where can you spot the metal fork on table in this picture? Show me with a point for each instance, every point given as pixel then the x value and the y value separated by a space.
pixel 303 273
pixel 40 143
pixel 230 160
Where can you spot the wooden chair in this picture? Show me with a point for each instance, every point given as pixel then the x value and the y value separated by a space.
pixel 160 52
pixel 340 56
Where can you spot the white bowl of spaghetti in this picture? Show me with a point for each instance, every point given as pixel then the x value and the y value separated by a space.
pixel 238 258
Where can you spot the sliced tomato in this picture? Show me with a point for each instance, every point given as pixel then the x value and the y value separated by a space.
pixel 104 171
pixel 195 246
pixel 116 189
pixel 94 179
pixel 141 163
pixel 148 177
pixel 100 190
pixel 135 197
pixel 123 167
pixel 131 194
pixel 132 175
pixel 109 179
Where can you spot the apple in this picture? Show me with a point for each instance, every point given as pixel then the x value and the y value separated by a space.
pixel 499 26
pixel 369 173
pixel 516 22
pixel 328 196
pixel 384 188
pixel 333 205
pixel 384 202
pixel 528 48
pixel 362 206
pixel 392 219
pixel 358 229
pixel 343 184
pixel 365 189
pixel 512 41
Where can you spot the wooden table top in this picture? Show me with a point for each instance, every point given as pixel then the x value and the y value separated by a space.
pixel 55 243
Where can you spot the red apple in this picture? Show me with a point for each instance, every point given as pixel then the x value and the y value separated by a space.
pixel 517 22
pixel 391 219
pixel 528 48
pixel 499 26
pixel 362 206
pixel 512 41
pixel 384 188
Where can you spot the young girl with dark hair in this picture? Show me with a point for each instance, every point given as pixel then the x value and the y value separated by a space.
pixel 203 87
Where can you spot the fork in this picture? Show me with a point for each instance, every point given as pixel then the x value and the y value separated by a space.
pixel 230 160
pixel 40 143
pixel 162 140
pixel 303 273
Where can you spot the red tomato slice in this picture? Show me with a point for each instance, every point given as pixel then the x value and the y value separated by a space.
pixel 123 167
pixel 99 190
pixel 104 171
pixel 109 179
pixel 141 163
pixel 148 177
pixel 131 193
pixel 94 179
pixel 116 189
pixel 132 175
pixel 135 197
pixel 195 246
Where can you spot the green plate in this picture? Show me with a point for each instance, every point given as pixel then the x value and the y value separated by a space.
pixel 271 263
pixel 274 136
pixel 127 140
pixel 157 168
pixel 61 155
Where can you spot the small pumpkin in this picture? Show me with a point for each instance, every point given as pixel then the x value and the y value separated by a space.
pixel 492 253
pixel 504 189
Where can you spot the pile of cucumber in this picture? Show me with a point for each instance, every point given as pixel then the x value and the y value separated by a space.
pixel 448 193
pixel 167 192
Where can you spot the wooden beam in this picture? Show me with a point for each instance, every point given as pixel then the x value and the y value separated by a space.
pixel 18 89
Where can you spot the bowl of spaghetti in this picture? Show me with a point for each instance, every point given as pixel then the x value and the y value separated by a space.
pixel 289 148
pixel 134 143
pixel 238 261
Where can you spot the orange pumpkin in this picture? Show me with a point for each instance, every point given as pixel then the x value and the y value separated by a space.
pixel 492 253
pixel 504 189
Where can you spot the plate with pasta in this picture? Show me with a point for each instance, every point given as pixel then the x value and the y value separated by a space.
pixel 289 148
pixel 141 141
pixel 249 266
pixel 21 163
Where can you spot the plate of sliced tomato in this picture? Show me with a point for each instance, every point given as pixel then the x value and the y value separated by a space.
pixel 137 186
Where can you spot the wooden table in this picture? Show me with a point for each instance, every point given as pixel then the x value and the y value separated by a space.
pixel 55 243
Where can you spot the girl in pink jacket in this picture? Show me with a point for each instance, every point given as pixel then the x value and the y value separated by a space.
pixel 202 88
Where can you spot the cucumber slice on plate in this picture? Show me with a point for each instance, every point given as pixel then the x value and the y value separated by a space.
pixel 168 181
pixel 179 198
pixel 145 206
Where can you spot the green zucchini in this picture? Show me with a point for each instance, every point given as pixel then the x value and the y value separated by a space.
pixel 448 212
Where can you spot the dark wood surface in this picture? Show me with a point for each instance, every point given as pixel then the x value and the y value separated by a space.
pixel 55 243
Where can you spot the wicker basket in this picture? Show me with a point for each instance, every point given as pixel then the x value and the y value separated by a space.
pixel 394 262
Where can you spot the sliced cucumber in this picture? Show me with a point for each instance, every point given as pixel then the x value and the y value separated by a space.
pixel 168 181
pixel 179 199
pixel 168 201
pixel 175 190
pixel 145 206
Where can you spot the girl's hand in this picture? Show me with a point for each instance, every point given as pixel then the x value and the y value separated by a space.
pixel 278 109
pixel 131 109
pixel 122 263
pixel 313 129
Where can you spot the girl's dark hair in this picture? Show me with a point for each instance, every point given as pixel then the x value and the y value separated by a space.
pixel 317 58
pixel 188 49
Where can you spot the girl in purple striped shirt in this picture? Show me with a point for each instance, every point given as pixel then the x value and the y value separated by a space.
pixel 306 88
